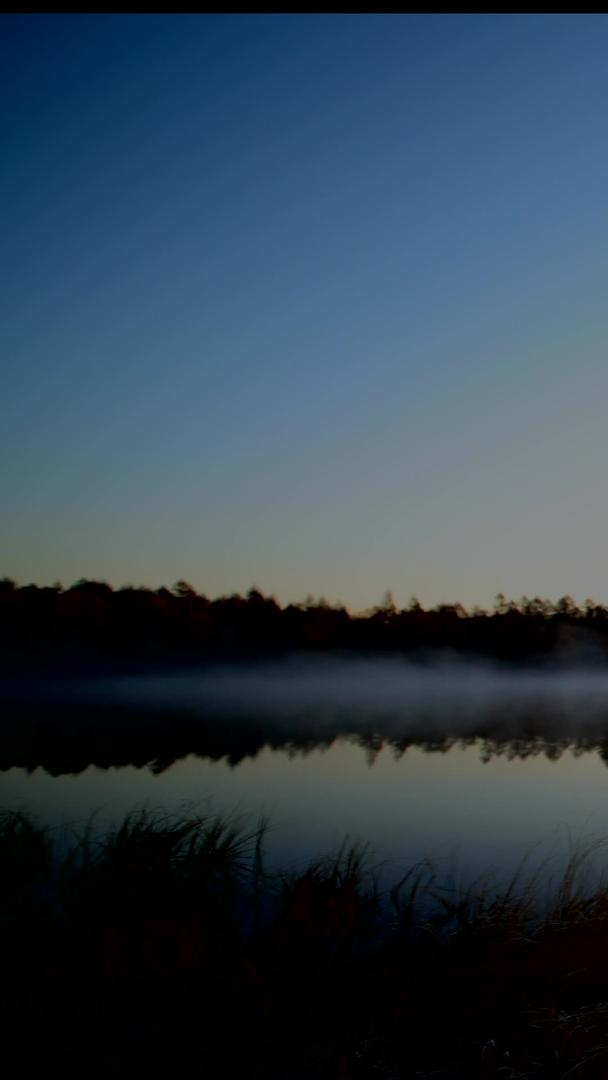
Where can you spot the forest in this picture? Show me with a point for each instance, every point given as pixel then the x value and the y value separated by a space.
pixel 93 627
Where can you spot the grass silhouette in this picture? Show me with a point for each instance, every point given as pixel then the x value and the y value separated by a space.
pixel 166 941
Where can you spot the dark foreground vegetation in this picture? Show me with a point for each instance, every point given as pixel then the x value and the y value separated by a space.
pixel 164 948
pixel 93 626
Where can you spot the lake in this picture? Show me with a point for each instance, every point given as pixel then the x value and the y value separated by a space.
pixel 473 767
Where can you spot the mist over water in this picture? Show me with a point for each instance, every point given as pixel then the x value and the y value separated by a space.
pixel 457 695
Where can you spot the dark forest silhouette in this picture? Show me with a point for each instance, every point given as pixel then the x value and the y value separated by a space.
pixel 93 626
pixel 50 635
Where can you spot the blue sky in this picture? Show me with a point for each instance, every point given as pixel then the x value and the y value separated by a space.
pixel 310 302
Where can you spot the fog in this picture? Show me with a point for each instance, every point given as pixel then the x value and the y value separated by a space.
pixel 390 691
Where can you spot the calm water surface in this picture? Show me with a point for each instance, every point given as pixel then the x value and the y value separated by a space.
pixel 471 774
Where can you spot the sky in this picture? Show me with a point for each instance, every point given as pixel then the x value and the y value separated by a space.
pixel 311 303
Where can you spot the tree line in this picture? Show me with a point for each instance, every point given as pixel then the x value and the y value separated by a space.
pixel 93 623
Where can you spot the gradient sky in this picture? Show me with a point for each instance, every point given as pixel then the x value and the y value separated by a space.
pixel 313 302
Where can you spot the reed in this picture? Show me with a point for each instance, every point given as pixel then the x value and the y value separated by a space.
pixel 168 936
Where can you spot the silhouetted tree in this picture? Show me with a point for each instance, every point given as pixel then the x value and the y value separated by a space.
pixel 183 589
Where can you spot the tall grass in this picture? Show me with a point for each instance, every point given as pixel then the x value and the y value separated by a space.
pixel 167 936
